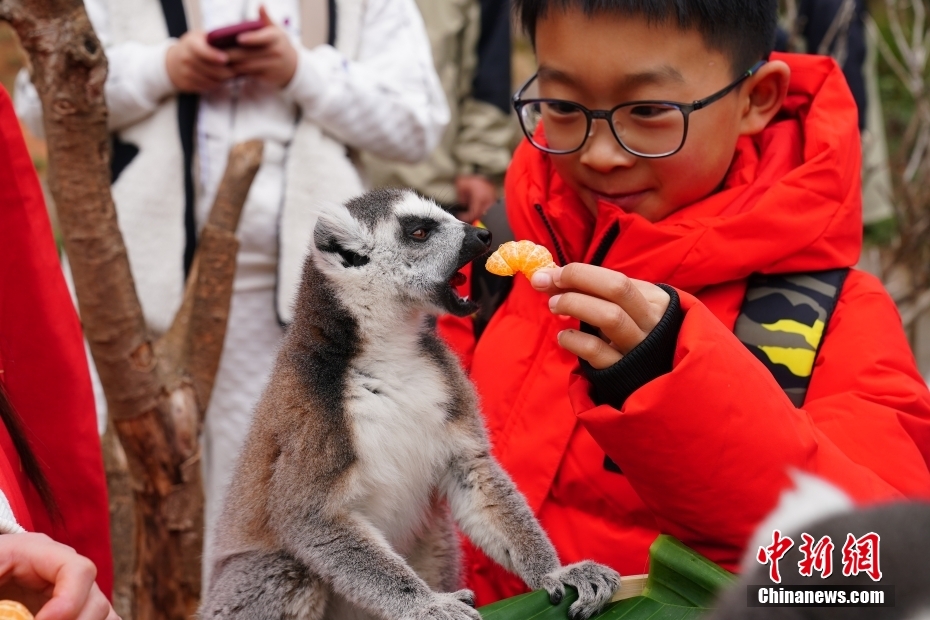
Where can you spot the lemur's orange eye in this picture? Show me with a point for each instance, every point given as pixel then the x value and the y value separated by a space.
pixel 420 233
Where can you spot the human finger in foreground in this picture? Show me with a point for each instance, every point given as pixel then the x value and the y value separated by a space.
pixel 52 579
pixel 622 309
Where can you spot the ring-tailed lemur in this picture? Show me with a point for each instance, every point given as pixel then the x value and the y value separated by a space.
pixel 367 442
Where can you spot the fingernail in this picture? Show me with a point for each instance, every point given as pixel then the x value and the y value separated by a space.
pixel 553 301
pixel 541 280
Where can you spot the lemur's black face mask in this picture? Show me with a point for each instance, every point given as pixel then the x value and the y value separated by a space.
pixel 476 243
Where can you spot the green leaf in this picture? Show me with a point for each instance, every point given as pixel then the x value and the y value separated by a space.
pixel 682 585
pixel 680 576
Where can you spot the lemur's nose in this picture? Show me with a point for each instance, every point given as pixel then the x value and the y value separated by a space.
pixel 484 236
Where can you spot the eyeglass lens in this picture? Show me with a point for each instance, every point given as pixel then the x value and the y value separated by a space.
pixel 643 128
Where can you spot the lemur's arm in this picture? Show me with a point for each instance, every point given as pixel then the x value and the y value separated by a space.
pixel 353 558
pixel 495 516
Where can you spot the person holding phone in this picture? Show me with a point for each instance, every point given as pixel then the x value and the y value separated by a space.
pixel 317 81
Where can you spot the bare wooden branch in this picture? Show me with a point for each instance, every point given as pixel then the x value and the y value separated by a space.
pixel 195 339
pixel 157 393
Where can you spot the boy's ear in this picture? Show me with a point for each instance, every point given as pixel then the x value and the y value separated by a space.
pixel 763 95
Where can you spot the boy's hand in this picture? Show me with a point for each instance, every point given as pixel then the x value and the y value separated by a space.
pixel 265 54
pixel 195 66
pixel 623 310
pixel 50 578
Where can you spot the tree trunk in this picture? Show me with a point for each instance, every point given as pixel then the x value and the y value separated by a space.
pixel 157 392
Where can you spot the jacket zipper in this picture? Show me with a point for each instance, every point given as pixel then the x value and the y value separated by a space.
pixel 555 240
pixel 602 248
pixel 606 242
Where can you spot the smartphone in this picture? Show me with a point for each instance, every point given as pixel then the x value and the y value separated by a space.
pixel 224 38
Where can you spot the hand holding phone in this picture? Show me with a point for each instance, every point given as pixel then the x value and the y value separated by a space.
pixel 267 54
pixel 227 37
pixel 195 66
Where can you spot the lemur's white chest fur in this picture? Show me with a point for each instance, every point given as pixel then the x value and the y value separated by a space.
pixel 395 404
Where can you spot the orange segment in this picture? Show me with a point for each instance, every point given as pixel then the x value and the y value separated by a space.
pixel 523 256
pixel 11 610
pixel 498 266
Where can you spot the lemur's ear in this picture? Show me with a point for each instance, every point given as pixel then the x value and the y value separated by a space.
pixel 339 233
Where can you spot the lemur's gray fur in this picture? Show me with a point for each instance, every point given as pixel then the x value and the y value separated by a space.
pixel 367 442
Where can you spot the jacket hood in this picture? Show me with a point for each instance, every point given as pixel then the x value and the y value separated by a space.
pixel 791 200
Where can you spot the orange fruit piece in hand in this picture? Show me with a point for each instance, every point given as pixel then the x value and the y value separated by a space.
pixel 523 256
pixel 11 610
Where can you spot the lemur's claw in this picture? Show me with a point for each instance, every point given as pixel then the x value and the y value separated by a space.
pixel 554 587
pixel 595 583
pixel 466 596
pixel 448 606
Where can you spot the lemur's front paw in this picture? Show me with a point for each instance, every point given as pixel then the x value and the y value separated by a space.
pixel 595 583
pixel 449 606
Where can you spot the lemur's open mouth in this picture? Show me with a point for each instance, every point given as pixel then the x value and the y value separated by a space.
pixel 475 244
pixel 457 304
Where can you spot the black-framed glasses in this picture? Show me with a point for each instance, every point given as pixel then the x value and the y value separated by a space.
pixel 648 128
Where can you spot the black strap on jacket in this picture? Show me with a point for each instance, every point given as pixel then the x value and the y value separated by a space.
pixel 124 152
pixel 176 21
pixel 783 320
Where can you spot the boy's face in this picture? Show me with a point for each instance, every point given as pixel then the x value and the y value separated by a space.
pixel 604 60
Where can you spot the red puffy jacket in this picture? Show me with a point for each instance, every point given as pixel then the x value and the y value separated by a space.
pixel 43 368
pixel 706 448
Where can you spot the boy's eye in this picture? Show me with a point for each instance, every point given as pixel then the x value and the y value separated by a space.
pixel 651 111
pixel 562 108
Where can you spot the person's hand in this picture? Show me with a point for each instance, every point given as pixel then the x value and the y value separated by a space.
pixel 623 310
pixel 195 66
pixel 477 193
pixel 265 54
pixel 51 579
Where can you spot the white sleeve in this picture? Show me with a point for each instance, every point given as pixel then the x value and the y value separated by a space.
pixel 389 101
pixel 137 81
pixel 8 524
pixel 137 78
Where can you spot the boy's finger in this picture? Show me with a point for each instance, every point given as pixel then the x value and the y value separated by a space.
pixel 616 325
pixel 589 348
pixel 612 286
pixel 544 281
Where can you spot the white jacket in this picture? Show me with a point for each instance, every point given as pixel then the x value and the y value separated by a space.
pixel 376 90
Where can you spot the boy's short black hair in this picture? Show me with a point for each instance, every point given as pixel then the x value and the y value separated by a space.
pixel 744 30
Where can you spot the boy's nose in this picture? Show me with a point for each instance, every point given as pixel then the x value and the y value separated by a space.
pixel 602 152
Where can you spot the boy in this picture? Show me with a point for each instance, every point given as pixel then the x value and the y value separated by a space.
pixel 671 424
